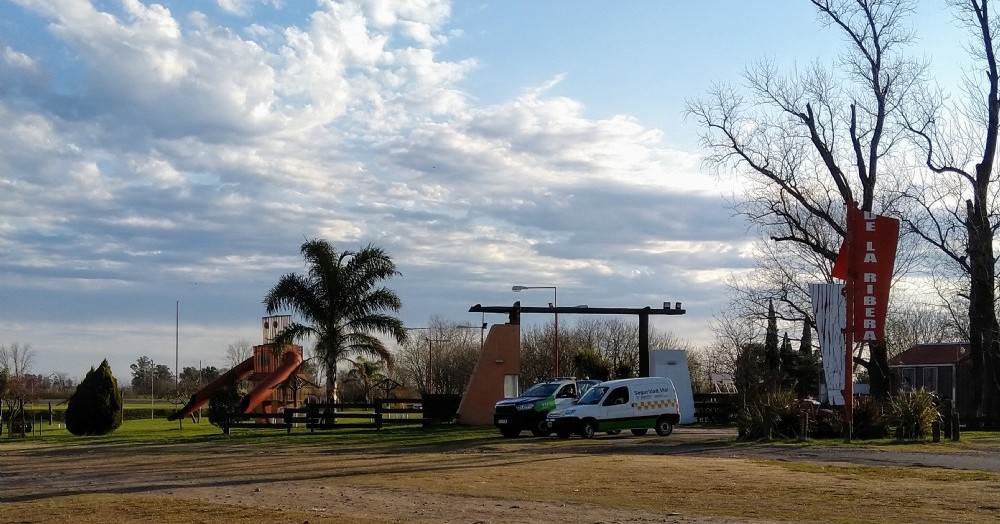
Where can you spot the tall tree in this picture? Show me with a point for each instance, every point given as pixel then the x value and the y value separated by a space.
pixel 810 142
pixel 807 366
pixel 957 210
pixel 343 304
pixel 772 352
pixel 15 363
pixel 147 376
pixel 366 374
pixel 238 351
pixel 17 358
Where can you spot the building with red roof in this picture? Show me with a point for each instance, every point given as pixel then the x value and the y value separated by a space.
pixel 944 368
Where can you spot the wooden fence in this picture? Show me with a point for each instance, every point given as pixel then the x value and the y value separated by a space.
pixel 436 409
pixel 716 408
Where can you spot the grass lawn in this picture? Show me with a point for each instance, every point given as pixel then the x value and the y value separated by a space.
pixel 154 471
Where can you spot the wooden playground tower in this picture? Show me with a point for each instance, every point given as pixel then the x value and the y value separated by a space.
pixel 276 378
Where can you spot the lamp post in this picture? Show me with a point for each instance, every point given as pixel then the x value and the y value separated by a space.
pixel 482 331
pixel 555 337
pixel 177 357
pixel 152 375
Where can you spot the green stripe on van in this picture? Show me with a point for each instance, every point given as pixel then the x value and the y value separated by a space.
pixel 627 423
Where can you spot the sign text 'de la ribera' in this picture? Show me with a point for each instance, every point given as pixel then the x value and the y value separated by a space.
pixel 870 256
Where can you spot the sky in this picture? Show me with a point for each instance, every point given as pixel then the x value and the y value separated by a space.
pixel 162 163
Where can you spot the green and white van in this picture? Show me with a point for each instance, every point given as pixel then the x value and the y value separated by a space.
pixel 635 404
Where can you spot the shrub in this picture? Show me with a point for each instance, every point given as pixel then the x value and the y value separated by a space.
pixel 869 420
pixel 912 412
pixel 224 406
pixel 769 415
pixel 95 408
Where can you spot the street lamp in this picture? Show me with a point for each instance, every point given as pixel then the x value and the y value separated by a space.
pixel 555 306
pixel 152 375
pixel 482 331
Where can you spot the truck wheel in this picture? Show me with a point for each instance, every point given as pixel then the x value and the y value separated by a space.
pixel 563 433
pixel 588 428
pixel 664 427
pixel 541 429
pixel 639 432
pixel 510 431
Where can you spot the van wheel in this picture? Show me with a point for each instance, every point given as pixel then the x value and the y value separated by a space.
pixel 588 429
pixel 510 431
pixel 563 433
pixel 541 429
pixel 639 432
pixel 664 427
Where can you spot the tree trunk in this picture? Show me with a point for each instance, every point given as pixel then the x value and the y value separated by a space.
pixel 984 333
pixel 878 369
pixel 331 381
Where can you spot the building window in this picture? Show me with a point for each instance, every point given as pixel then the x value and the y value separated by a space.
pixel 909 378
pixel 511 388
pixel 930 376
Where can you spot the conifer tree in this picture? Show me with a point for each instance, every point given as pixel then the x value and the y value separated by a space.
pixel 772 352
pixel 96 406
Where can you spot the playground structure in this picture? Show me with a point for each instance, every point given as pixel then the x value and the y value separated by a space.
pixel 274 373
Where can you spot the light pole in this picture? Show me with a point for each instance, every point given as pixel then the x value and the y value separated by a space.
pixel 482 331
pixel 555 306
pixel 152 375
pixel 177 357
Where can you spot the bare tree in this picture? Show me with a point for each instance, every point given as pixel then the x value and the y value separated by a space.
pixel 733 330
pixel 17 358
pixel 915 323
pixel 15 382
pixel 956 210
pixel 444 349
pixel 808 142
pixel 238 351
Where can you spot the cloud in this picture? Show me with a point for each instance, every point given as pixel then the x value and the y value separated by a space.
pixel 191 159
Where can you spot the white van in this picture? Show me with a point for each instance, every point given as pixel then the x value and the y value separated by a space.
pixel 636 404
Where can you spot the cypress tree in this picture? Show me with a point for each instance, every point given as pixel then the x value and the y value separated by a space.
pixel 772 352
pixel 809 366
pixel 96 406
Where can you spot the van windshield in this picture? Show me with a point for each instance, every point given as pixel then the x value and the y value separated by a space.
pixel 593 395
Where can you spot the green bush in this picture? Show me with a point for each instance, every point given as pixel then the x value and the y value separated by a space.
pixel 869 420
pixel 772 414
pixel 224 406
pixel 912 412
pixel 95 408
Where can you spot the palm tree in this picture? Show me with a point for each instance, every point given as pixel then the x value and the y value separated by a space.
pixel 366 373
pixel 342 303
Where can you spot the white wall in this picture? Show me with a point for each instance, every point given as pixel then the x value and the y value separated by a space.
pixel 673 364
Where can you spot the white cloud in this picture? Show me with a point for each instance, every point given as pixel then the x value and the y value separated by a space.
pixel 192 152
pixel 236 7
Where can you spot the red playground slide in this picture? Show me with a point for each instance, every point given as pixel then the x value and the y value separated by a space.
pixel 203 395
pixel 290 363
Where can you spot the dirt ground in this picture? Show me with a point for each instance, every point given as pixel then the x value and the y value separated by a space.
pixel 688 477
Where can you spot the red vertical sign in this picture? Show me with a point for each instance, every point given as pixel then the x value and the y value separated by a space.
pixel 871 258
